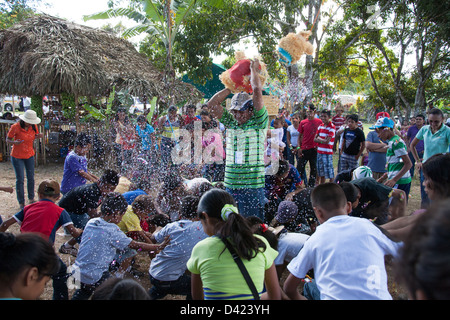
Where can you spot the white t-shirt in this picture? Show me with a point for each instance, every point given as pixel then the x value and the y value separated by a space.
pixel 289 245
pixel 294 135
pixel 347 255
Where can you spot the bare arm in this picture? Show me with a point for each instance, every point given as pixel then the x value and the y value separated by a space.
pixel 415 154
pixel 7 223
pixel 291 288
pixel 272 285
pixel 215 103
pixel 256 85
pixel 196 287
pixel 376 147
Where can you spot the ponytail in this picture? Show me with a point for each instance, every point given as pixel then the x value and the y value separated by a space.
pixel 220 205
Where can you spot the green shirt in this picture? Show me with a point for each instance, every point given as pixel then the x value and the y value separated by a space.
pixel 245 150
pixel 434 143
pixel 221 277
pixel 394 162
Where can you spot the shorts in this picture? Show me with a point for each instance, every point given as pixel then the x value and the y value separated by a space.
pixel 348 162
pixel 325 165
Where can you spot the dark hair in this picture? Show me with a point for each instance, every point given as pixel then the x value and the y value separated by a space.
pixel 120 289
pixel 329 196
pixel 82 140
pixel 259 227
pixel 22 125
pixel 205 113
pixel 141 118
pixel 436 111
pixel 171 181
pixel 190 106
pixel 235 228
pixel 424 259
pixel 278 120
pixel 144 202
pixel 159 220
pixel 420 116
pixel 283 167
pixel 350 190
pixel 353 117
pixel 437 169
pixel 327 112
pixel 311 106
pixel 189 206
pixel 113 202
pixel 110 177
pixel 18 252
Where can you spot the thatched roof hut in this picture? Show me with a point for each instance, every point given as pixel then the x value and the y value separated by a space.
pixel 45 55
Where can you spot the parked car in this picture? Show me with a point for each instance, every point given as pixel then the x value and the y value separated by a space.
pixel 7 103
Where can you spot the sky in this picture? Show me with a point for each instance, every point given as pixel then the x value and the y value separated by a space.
pixel 75 10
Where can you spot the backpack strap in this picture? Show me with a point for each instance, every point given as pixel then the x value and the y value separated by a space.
pixel 241 266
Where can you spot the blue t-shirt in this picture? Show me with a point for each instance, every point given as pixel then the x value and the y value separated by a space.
pixel 99 244
pixel 131 195
pixel 144 134
pixel 71 177
pixel 377 160
pixel 170 263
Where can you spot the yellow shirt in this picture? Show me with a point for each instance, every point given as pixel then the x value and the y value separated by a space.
pixel 130 221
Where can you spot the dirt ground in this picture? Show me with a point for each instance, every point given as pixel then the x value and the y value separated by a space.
pixel 54 171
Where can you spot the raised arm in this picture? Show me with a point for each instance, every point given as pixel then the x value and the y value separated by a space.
pixel 215 103
pixel 256 85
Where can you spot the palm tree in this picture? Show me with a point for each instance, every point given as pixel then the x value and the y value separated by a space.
pixel 162 18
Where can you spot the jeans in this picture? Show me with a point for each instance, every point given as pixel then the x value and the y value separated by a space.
pixel 181 286
pixel 86 290
pixel 309 155
pixel 250 201
pixel 424 196
pixel 310 291
pixel 21 165
pixel 60 290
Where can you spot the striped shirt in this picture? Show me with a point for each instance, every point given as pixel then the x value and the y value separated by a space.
pixel 245 150
pixel 338 121
pixel 396 149
pixel 324 131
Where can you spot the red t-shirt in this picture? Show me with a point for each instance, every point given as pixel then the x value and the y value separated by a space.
pixel 43 217
pixel 308 130
pixel 324 131
pixel 338 121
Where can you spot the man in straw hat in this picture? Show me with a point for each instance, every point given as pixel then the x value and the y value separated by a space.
pixel 246 123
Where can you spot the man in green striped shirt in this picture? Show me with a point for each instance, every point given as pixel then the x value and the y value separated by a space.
pixel 246 124
pixel 397 160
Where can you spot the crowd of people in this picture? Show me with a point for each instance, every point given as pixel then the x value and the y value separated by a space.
pixel 223 207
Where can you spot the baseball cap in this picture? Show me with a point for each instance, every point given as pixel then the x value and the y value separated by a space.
pixel 241 101
pixel 383 122
pixel 49 188
pixel 362 172
pixel 287 210
pixel 382 115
